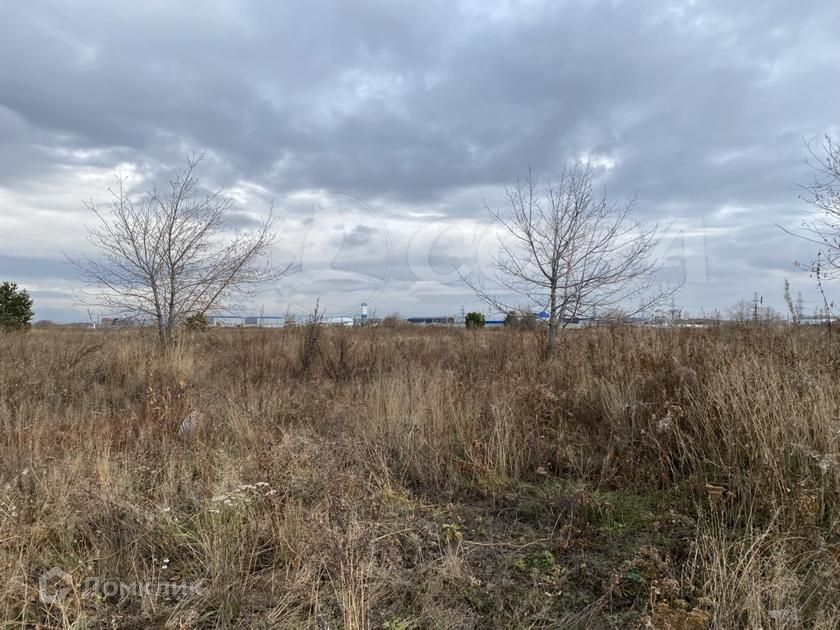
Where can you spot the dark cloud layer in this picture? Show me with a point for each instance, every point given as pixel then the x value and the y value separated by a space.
pixel 699 107
pixel 28 269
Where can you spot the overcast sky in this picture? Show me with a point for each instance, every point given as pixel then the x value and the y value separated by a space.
pixel 379 129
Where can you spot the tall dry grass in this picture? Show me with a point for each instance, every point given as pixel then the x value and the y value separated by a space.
pixel 410 478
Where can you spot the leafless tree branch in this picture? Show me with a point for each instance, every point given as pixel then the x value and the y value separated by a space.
pixel 823 193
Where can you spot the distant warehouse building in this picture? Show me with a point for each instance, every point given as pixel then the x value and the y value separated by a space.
pixel 119 322
pixel 431 321
pixel 238 321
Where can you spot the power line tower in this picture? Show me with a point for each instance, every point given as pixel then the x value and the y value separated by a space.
pixel 756 302
pixel 675 313
pixel 642 311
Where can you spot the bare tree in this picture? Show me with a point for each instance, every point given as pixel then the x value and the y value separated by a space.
pixel 823 193
pixel 793 312
pixel 823 229
pixel 167 255
pixel 572 253
pixel 740 312
pixel 755 311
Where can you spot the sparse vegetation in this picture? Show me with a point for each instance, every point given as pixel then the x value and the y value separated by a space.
pixel 422 478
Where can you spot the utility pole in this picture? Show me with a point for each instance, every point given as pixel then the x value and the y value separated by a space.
pixel 673 315
pixel 642 312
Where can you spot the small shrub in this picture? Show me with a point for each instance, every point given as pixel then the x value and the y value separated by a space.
pixel 310 342
pixel 197 322
pixel 474 320
pixel 15 307
pixel 394 320
pixel 520 320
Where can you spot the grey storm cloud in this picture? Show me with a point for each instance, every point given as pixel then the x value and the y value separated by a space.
pixel 699 108
pixel 241 221
pixel 359 236
pixel 25 268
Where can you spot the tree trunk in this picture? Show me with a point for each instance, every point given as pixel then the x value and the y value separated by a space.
pixel 552 333
pixel 163 332
pixel 552 322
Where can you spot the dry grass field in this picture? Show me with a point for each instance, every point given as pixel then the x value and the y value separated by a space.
pixel 407 478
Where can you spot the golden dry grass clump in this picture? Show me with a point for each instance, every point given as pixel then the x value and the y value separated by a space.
pixel 421 478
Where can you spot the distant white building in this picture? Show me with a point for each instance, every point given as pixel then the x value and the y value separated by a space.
pixel 340 321
pixel 258 321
